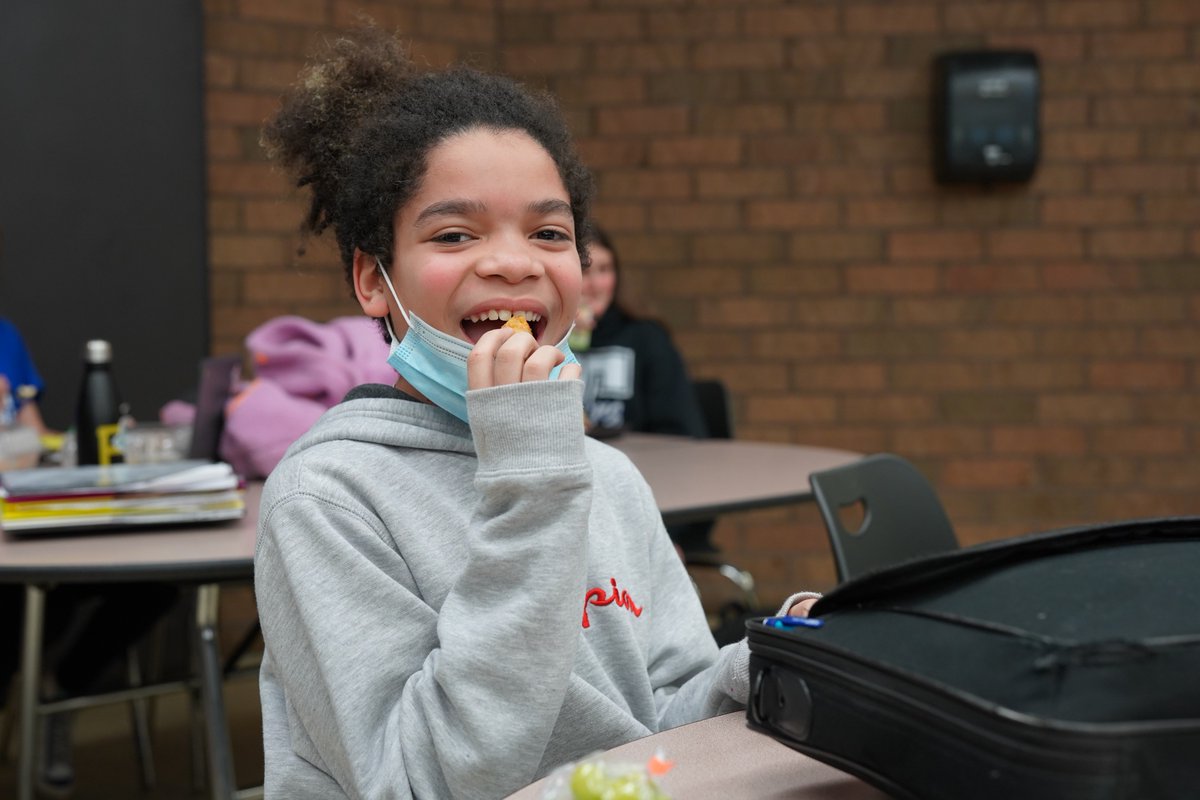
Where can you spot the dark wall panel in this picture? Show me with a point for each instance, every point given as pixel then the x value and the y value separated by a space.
pixel 102 202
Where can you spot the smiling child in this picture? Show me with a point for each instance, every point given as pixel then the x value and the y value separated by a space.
pixel 458 590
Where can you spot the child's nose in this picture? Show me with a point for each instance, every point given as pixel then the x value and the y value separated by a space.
pixel 514 261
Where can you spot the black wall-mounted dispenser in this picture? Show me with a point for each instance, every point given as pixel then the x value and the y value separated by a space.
pixel 985 116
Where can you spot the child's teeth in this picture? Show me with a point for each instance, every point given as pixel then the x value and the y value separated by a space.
pixel 504 315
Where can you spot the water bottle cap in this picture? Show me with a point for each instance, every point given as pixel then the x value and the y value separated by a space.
pixel 98 351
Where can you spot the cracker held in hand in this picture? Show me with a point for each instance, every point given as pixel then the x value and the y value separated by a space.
pixel 518 324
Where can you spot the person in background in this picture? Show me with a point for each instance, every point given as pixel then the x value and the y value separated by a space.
pixel 634 377
pixel 88 628
pixel 459 590
pixel 20 382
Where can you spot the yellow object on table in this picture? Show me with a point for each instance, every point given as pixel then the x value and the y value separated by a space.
pixel 52 442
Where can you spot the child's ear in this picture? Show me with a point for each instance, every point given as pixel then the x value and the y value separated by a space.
pixel 369 287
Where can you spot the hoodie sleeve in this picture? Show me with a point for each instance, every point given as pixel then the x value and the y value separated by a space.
pixel 528 552
pixel 385 707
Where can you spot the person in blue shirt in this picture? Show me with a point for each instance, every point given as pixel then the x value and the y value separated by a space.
pixel 20 382
pixel 93 625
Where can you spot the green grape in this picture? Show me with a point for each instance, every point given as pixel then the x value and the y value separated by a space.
pixel 594 781
pixel 624 787
pixel 587 782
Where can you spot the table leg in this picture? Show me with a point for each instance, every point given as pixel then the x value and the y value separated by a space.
pixel 220 761
pixel 31 670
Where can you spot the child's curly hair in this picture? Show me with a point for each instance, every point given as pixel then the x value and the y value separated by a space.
pixel 358 127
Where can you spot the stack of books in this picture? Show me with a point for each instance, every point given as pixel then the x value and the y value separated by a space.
pixel 58 498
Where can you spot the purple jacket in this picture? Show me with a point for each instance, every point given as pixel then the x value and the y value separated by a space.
pixel 301 369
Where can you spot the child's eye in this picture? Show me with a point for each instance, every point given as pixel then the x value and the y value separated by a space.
pixel 552 235
pixel 451 237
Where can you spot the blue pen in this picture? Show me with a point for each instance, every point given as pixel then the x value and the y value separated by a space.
pixel 793 622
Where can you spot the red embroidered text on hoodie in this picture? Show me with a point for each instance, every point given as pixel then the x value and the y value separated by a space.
pixel 598 597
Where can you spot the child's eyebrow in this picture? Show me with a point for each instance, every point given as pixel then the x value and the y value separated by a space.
pixel 449 208
pixel 454 208
pixel 551 206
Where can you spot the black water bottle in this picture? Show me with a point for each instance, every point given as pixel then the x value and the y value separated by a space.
pixel 99 411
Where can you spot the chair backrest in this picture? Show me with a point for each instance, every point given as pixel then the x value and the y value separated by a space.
pixel 902 517
pixel 714 407
pixel 217 375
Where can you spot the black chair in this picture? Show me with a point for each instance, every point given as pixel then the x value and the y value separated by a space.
pixel 217 376
pixel 901 515
pixel 714 406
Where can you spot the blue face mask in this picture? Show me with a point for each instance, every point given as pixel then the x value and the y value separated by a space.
pixel 435 363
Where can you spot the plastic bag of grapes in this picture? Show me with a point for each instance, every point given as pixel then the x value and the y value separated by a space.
pixel 594 778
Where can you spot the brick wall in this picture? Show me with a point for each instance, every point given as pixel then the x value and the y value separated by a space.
pixel 764 168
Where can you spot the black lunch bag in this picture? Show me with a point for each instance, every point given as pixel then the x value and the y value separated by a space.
pixel 1049 667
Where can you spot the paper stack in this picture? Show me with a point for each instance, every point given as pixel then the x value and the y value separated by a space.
pixel 57 498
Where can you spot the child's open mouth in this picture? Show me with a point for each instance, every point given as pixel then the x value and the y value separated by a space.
pixel 477 325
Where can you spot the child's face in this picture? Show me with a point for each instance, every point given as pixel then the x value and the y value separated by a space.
pixel 600 280
pixel 489 230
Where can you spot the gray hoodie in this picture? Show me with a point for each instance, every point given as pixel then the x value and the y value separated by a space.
pixel 453 611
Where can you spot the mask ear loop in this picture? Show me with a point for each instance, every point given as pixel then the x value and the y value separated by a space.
pixel 387 321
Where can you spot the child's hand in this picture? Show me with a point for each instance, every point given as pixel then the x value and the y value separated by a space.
pixel 506 356
pixel 801 609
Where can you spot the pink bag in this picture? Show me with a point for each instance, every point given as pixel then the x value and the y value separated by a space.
pixel 301 368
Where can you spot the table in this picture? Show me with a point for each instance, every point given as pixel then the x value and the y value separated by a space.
pixel 698 478
pixel 202 555
pixel 690 478
pixel 721 757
